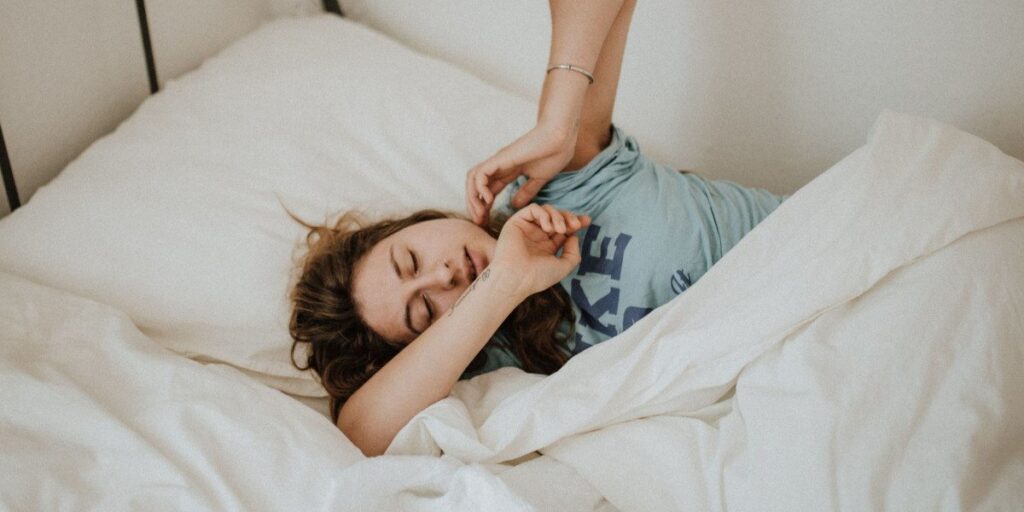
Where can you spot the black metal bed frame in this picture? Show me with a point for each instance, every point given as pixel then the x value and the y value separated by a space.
pixel 11 188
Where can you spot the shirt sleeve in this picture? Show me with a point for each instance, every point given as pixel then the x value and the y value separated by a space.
pixel 584 190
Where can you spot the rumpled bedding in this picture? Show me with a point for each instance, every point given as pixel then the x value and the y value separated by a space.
pixel 861 349
pixel 97 416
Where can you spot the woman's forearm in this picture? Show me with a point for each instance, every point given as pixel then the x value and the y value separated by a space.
pixel 425 371
pixel 591 35
pixel 596 117
pixel 578 31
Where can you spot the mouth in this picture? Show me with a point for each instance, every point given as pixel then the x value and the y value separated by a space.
pixel 474 264
pixel 471 271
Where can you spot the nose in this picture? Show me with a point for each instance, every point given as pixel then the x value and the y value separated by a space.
pixel 442 277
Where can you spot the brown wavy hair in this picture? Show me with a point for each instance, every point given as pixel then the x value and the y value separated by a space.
pixel 345 352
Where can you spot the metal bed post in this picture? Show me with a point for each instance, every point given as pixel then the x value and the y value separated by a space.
pixel 147 46
pixel 333 6
pixel 5 168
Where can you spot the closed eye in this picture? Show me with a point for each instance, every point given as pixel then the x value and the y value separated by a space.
pixel 426 303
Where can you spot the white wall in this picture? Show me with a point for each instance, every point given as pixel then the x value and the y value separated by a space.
pixel 187 32
pixel 70 72
pixel 51 105
pixel 765 92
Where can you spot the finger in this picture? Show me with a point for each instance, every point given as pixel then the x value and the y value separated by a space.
pixel 470 208
pixel 528 191
pixel 557 220
pixel 471 212
pixel 545 220
pixel 473 205
pixel 580 222
pixel 479 210
pixel 571 251
pixel 482 190
pixel 497 185
pixel 572 222
pixel 540 217
pixel 485 214
pixel 473 208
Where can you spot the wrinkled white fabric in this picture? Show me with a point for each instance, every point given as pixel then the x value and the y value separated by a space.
pixel 861 349
pixel 96 416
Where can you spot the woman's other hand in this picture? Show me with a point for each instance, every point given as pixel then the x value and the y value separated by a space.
pixel 529 242
pixel 539 155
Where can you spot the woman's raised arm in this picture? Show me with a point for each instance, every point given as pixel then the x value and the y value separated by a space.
pixel 596 117
pixel 573 115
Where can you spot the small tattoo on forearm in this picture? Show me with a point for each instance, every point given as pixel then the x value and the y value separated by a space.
pixel 482 277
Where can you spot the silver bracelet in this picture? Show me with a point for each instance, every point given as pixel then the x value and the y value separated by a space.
pixel 571 67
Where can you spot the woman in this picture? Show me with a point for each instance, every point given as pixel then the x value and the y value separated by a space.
pixel 395 313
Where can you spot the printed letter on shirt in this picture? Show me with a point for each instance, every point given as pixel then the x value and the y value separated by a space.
pixel 590 314
pixel 603 264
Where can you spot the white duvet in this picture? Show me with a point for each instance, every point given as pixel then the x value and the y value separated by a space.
pixel 862 349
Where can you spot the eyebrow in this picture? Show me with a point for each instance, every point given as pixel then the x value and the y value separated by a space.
pixel 408 317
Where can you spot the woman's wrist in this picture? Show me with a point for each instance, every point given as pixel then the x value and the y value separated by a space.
pixel 508 280
pixel 562 101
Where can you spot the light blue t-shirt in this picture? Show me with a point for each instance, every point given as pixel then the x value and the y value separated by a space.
pixel 654 232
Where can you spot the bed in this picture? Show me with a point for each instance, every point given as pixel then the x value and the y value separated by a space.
pixel 862 349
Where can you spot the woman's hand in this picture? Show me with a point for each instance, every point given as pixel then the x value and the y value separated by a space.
pixel 539 155
pixel 529 242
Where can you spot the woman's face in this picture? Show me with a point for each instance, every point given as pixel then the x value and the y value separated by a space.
pixel 412 277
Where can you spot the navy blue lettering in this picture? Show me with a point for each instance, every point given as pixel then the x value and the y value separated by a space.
pixel 591 313
pixel 680 281
pixel 603 264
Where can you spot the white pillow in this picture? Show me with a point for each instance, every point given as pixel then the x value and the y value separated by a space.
pixel 176 217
